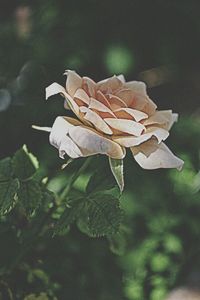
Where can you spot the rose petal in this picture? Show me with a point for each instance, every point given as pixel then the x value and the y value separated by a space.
pixel 109 85
pixel 91 142
pixel 126 126
pixel 130 141
pixel 121 78
pixel 127 95
pixel 59 138
pixel 116 102
pixel 73 82
pixel 54 89
pixel 129 113
pixel 41 128
pixel 82 96
pixel 165 118
pixel 141 101
pixel 102 98
pixel 149 107
pixel 96 120
pixel 137 86
pixel 94 104
pixel 151 155
pixel 89 86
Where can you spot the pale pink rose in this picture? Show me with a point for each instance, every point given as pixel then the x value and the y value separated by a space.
pixel 110 116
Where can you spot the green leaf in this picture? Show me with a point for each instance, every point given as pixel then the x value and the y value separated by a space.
pixel 32 157
pixel 30 195
pixel 71 213
pixel 5 169
pixel 104 214
pixel 8 192
pixel 101 182
pixel 117 166
pixel 23 164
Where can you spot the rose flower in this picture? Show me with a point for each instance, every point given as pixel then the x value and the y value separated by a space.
pixel 110 116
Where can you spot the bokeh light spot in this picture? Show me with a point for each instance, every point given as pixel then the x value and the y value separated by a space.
pixel 119 59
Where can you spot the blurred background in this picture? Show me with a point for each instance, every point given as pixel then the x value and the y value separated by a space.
pixel 157 42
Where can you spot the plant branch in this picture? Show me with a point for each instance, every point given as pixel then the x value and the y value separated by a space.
pixel 38 228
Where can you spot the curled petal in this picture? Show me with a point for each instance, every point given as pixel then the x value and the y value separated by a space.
pixel 129 113
pixel 96 120
pixel 91 142
pixel 151 155
pixel 96 105
pixel 126 126
pixel 59 138
pixel 130 141
pixel 73 82
pixel 54 89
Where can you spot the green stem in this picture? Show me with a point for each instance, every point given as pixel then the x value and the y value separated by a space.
pixel 74 177
pixel 27 245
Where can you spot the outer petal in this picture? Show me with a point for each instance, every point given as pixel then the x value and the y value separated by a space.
pixel 121 78
pixel 142 101
pixel 54 89
pixel 130 141
pixel 151 155
pixel 137 86
pixel 73 82
pixel 59 138
pixel 164 118
pixel 91 142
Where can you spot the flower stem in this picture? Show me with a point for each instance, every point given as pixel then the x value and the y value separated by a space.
pixel 74 177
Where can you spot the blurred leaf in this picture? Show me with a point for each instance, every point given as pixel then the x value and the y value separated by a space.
pixel 172 243
pixel 8 191
pixel 5 169
pixel 160 262
pixel 117 243
pixel 41 296
pixel 23 164
pixel 30 195
pixel 158 293
pixel 5 99
pixel 117 168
